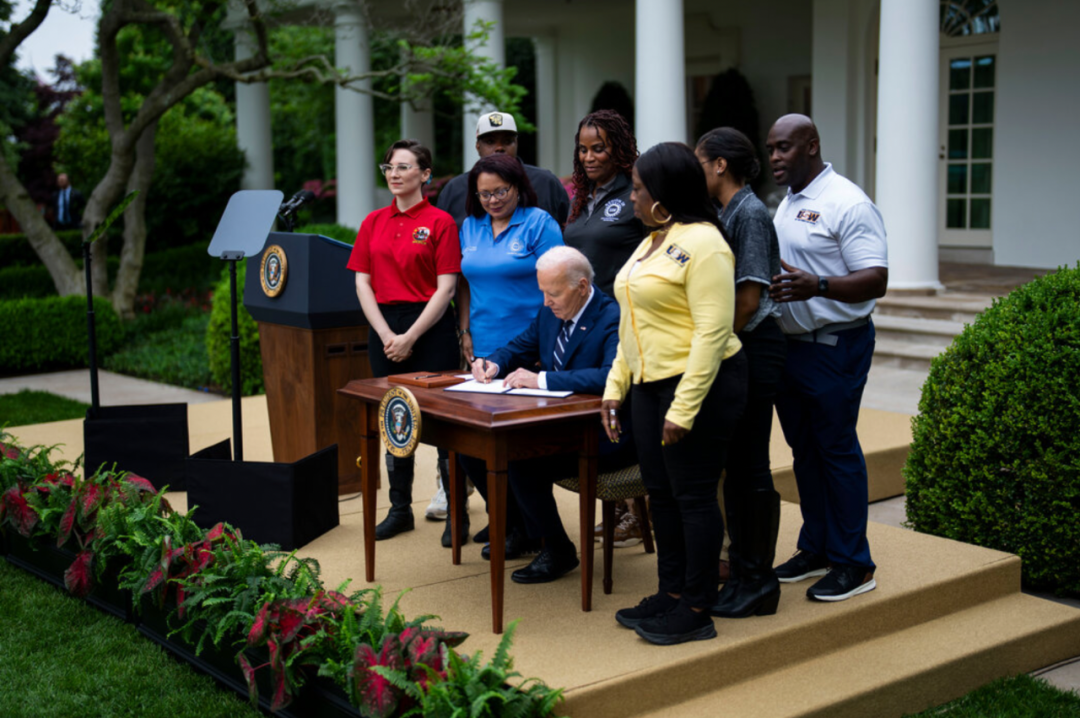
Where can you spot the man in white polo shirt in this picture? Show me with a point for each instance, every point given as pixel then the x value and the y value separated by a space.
pixel 835 262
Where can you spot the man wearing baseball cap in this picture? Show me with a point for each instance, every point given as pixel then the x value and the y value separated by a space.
pixel 496 132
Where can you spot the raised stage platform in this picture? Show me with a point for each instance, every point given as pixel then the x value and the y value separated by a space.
pixel 946 617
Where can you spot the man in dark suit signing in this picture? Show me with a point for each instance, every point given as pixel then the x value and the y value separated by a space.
pixel 574 339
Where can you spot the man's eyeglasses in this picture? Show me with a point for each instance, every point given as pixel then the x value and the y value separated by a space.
pixel 401 168
pixel 497 194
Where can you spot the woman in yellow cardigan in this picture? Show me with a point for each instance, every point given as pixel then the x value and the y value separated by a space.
pixel 682 365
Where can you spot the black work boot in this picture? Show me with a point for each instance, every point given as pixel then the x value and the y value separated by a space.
pixel 734 509
pixel 758 590
pixel 400 518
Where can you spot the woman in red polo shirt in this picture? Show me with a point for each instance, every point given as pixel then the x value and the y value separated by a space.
pixel 407 258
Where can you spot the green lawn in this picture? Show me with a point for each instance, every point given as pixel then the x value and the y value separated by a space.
pixel 38 407
pixel 171 354
pixel 1017 697
pixel 60 657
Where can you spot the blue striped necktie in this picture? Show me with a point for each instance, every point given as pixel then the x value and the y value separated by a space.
pixel 561 342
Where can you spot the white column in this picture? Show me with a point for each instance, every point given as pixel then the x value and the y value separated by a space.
pixel 659 72
pixel 494 50
pixel 547 128
pixel 419 124
pixel 354 119
pixel 253 122
pixel 907 134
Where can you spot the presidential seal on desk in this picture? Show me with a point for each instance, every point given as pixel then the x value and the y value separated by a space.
pixel 399 421
pixel 273 271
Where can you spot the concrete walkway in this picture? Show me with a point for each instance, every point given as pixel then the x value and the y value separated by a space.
pixel 114 389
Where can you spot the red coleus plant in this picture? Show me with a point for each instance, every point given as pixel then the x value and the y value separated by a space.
pixel 293 631
pixel 184 562
pixel 78 523
pixel 416 655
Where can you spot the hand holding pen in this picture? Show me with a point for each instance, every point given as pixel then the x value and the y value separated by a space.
pixel 484 372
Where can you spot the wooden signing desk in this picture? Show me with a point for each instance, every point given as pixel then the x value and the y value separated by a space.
pixel 498 429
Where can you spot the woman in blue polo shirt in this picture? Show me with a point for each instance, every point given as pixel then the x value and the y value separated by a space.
pixel 498 297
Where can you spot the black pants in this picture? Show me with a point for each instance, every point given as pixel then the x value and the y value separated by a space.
pixel 682 479
pixel 436 350
pixel 748 467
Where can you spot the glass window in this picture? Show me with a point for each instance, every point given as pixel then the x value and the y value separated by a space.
pixel 982 143
pixel 955 213
pixel 958 144
pixel 983 111
pixel 980 214
pixel 981 178
pixel 984 71
pixel 958 108
pixel 960 73
pixel 958 175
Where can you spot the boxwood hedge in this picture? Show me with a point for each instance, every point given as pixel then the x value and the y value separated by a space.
pixel 50 333
pixel 995 456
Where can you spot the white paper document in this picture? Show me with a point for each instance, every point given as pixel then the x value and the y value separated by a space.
pixel 496 386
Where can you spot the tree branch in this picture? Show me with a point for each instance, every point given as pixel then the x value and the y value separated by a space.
pixel 20 31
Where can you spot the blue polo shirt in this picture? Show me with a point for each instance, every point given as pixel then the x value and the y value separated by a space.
pixel 503 294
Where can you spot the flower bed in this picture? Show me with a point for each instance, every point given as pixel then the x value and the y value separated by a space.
pixel 257 619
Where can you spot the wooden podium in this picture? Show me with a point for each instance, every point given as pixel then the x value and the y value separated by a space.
pixel 314 341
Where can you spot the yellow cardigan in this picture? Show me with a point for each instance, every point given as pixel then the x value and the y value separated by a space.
pixel 678 308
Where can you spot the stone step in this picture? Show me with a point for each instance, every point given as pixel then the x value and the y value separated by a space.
pixel 904 354
pixel 900 672
pixel 950 306
pixel 930 332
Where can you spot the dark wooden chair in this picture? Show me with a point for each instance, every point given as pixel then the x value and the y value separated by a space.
pixel 611 487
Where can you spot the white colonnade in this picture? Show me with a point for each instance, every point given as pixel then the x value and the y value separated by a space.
pixel 659 73
pixel 354 119
pixel 907 132
pixel 253 121
pixel 494 50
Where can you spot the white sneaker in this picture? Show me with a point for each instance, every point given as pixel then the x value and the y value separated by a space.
pixel 437 509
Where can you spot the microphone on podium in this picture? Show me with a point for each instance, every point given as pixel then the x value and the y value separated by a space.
pixel 298 200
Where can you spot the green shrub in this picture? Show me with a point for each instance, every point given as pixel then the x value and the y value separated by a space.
pixel 220 330
pixel 175 355
pixel 173 269
pixel 50 333
pixel 15 249
pixel 995 458
pixel 333 231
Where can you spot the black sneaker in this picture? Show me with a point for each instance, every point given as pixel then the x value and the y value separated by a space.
pixel 679 625
pixel 801 566
pixel 841 583
pixel 650 607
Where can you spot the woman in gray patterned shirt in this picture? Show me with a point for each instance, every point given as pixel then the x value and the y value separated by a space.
pixel 752 504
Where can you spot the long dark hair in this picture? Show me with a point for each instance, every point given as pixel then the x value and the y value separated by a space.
pixel 735 148
pixel 673 175
pixel 621 145
pixel 510 170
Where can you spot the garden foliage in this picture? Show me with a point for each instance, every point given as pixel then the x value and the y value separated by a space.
pixel 219 331
pixel 995 456
pixel 222 590
pixel 50 333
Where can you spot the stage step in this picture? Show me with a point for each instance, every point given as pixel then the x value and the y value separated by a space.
pixel 949 306
pixel 903 671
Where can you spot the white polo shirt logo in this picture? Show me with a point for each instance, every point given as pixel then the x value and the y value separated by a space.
pixel 808 215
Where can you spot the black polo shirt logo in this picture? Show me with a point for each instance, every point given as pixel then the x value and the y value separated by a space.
pixel 613 209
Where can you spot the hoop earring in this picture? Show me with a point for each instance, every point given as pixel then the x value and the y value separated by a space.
pixel 652 214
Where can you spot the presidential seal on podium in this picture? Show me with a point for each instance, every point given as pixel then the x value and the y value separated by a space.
pixel 399 421
pixel 273 271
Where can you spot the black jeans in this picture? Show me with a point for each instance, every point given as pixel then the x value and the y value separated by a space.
pixel 748 467
pixel 436 350
pixel 682 479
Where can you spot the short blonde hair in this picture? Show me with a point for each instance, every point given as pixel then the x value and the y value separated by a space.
pixel 572 262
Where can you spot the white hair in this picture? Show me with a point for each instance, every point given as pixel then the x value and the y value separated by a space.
pixel 572 262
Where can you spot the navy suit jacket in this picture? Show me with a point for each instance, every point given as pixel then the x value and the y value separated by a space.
pixel 588 357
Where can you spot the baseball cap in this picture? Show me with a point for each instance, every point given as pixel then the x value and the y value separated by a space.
pixel 495 122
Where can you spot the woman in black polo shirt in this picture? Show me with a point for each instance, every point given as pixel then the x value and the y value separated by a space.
pixel 752 504
pixel 602 223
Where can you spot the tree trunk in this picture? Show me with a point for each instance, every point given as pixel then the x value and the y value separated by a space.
pixel 106 195
pixel 131 256
pixel 54 255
